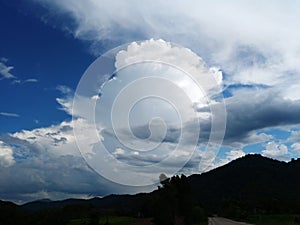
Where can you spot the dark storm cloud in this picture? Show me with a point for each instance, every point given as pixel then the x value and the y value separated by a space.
pixel 40 173
pixel 248 112
pixel 255 110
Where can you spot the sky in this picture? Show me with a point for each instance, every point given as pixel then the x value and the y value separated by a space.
pixel 100 97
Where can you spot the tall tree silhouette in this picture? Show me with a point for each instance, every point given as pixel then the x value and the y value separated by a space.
pixel 173 200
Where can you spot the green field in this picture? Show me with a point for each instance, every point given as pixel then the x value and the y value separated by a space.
pixel 256 220
pixel 274 219
pixel 116 220
pixel 112 220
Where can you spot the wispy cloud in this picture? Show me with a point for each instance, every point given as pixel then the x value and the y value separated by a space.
pixel 30 80
pixel 4 59
pixel 9 114
pixel 64 89
pixel 5 71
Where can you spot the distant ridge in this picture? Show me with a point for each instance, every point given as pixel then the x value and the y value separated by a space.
pixel 252 183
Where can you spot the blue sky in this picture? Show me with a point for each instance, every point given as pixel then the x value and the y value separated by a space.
pixel 249 49
pixel 37 51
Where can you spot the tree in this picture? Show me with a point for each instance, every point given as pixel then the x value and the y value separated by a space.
pixel 173 200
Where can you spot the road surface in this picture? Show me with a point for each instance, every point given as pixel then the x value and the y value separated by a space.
pixel 223 221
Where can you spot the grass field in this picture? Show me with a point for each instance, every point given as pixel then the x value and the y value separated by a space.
pixel 274 219
pixel 112 220
pixel 116 220
pixel 256 220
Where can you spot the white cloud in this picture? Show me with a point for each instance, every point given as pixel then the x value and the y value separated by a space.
pixel 31 80
pixel 16 81
pixel 56 139
pixel 9 114
pixel 46 162
pixel 5 71
pixel 64 89
pixel 230 155
pixel 179 57
pixel 255 47
pixel 234 154
pixel 6 155
pixel 209 159
pixel 276 151
pixel 295 136
pixel 258 138
pixel 4 59
pixel 255 105
pixel 253 41
pixel 296 148
pixel 119 151
pixel 162 119
pixel 253 137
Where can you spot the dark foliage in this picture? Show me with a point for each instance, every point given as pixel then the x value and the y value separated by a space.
pixel 172 201
pixel 252 184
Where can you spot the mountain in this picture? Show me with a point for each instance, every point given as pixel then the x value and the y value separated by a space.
pixel 254 181
pixel 116 202
pixel 251 184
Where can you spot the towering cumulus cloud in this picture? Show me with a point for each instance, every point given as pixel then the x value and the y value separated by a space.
pixel 148 112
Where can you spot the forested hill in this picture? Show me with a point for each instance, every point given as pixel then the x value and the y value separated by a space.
pixel 253 183
pixel 249 185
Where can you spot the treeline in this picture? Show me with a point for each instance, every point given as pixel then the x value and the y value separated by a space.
pixel 14 215
pixel 173 203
